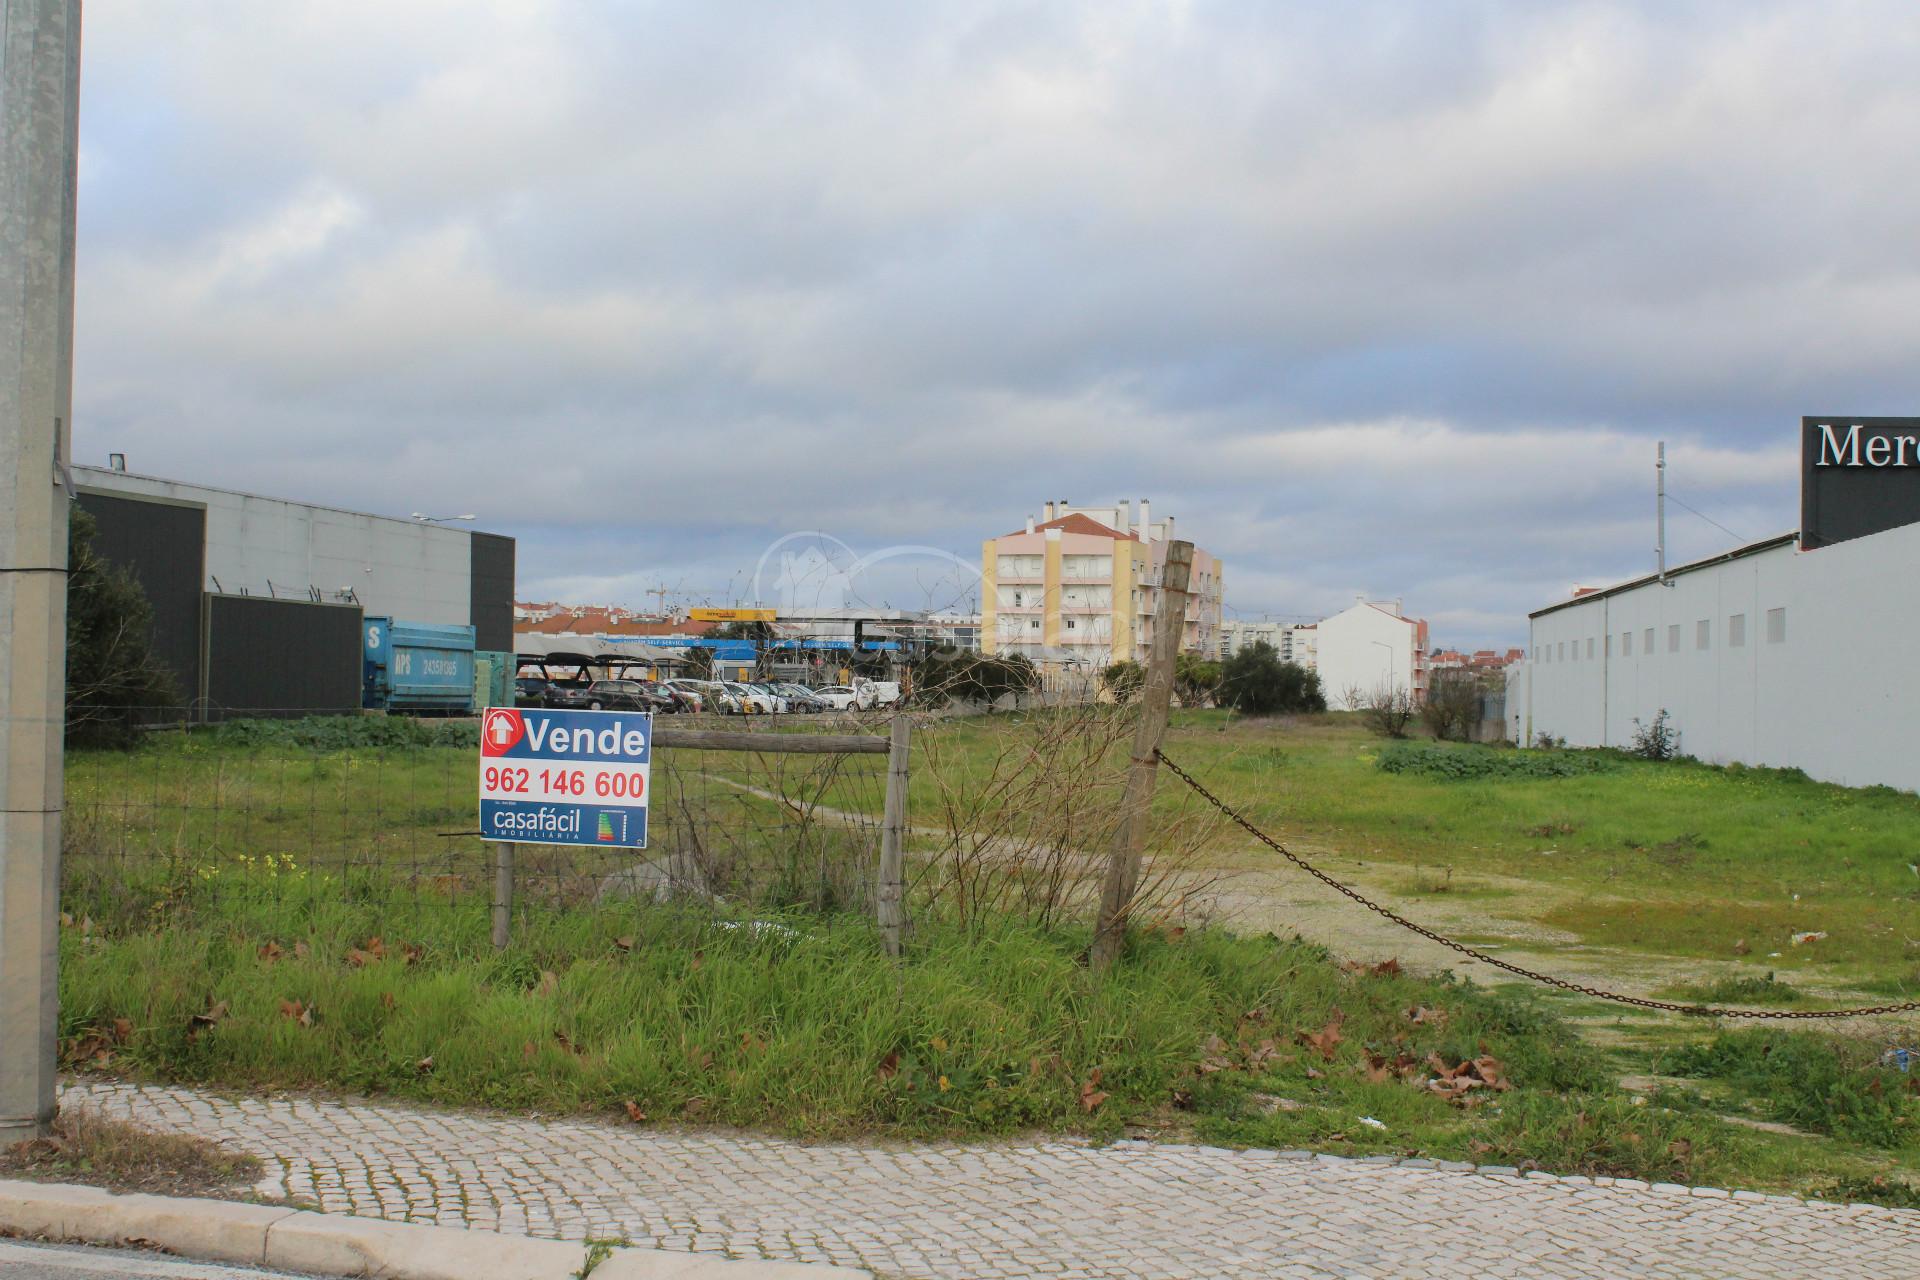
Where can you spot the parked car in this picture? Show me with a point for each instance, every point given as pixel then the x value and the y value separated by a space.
pixel 781 703
pixel 838 697
pixel 530 691
pixel 567 695
pixel 687 698
pixel 802 699
pixel 620 695
pixel 751 700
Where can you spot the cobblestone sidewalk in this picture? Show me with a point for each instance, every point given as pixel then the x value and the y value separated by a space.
pixel 1061 1210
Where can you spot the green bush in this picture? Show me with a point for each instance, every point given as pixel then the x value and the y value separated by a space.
pixel 1812 1082
pixel 115 681
pixel 1485 763
pixel 346 732
pixel 1255 681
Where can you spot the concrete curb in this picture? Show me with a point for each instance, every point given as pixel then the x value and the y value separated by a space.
pixel 338 1245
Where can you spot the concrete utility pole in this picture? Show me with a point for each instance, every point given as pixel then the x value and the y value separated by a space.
pixel 1660 509
pixel 39 141
pixel 1156 703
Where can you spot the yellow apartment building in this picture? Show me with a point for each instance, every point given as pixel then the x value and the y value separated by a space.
pixel 1078 587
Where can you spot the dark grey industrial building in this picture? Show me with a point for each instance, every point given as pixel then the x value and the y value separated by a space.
pixel 258 602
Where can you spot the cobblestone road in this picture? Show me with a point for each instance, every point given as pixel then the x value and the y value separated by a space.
pixel 1056 1209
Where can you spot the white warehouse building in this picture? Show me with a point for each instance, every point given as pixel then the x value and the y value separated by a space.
pixel 1784 653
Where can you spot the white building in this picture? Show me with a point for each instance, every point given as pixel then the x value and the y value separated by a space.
pixel 1368 648
pixel 1236 635
pixel 1766 655
pixel 1292 641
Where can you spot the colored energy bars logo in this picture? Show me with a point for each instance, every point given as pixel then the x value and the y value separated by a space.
pixel 606 826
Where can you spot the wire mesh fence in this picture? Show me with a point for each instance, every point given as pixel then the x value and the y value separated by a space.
pixel 302 819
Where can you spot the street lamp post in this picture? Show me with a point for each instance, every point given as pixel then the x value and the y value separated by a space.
pixel 1389 648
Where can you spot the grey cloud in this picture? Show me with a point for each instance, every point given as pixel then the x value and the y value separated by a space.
pixel 652 285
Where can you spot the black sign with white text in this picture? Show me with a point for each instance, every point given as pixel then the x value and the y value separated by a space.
pixel 1857 476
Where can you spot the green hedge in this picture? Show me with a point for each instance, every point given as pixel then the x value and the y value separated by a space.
pixel 1488 763
pixel 336 732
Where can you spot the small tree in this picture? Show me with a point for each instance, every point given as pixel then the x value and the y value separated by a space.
pixel 699 662
pixel 1388 710
pixel 1657 740
pixel 1013 675
pixel 1195 679
pixel 1258 683
pixel 1452 708
pixel 1124 680
pixel 113 675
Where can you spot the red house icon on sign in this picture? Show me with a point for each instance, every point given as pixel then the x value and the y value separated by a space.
pixel 502 728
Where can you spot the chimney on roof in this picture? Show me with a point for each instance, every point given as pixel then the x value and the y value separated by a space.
pixel 1125 514
pixel 1029 524
pixel 1048 508
pixel 1146 521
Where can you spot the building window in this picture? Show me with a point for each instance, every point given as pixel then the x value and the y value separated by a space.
pixel 1737 631
pixel 1563 650
pixel 1646 646
pixel 1673 637
pixel 1703 634
pixel 1033 625
pixel 1069 624
pixel 1776 626
pixel 1589 646
pixel 1626 644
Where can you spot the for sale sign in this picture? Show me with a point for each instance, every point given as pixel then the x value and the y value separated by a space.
pixel 565 777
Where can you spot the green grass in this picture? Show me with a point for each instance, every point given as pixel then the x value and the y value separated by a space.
pixel 1626 854
pixel 1745 991
pixel 315 847
pixel 813 1032
pixel 1813 1082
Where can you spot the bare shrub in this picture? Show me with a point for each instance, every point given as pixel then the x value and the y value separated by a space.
pixel 1019 822
pixel 1452 708
pixel 1388 710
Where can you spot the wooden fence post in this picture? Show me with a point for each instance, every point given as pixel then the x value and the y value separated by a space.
pixel 1156 701
pixel 890 898
pixel 502 894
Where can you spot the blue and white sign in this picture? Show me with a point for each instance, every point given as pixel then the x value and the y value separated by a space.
pixel 565 777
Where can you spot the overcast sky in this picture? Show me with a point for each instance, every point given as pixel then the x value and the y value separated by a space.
pixel 1390 299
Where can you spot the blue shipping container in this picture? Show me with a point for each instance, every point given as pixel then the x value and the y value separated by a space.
pixel 418 666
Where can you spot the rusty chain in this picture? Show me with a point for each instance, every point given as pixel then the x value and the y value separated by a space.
pixel 1642 1002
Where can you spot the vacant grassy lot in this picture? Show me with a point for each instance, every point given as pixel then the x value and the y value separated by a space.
pixel 305 913
pixel 1675 859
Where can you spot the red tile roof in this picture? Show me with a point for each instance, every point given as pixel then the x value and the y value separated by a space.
pixel 601 622
pixel 1074 522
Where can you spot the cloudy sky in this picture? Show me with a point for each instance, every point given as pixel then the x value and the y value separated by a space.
pixel 1388 298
